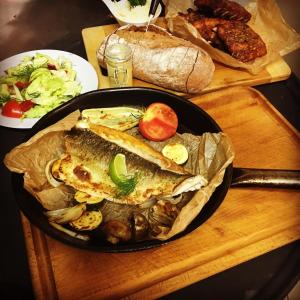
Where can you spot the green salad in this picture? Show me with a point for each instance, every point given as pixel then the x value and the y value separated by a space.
pixel 37 85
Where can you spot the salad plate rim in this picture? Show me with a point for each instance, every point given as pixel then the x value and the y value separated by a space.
pixel 89 82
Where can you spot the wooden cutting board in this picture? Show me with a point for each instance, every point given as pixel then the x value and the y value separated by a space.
pixel 250 221
pixel 223 76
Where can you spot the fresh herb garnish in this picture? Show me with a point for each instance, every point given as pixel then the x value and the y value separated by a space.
pixel 134 3
pixel 127 186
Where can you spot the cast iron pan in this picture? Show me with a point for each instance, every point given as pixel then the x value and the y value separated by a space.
pixel 191 118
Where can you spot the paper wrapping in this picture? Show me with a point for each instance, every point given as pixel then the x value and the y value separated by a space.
pixel 209 156
pixel 266 20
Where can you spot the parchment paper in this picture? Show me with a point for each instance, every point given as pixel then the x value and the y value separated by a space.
pixel 209 155
pixel 266 20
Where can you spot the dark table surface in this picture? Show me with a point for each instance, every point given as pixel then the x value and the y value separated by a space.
pixel 44 24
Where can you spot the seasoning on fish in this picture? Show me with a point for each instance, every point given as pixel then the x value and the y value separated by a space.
pixel 85 166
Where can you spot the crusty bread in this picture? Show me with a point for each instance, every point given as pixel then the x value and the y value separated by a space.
pixel 163 59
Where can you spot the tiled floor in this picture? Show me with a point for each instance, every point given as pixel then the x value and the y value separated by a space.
pixel 295 293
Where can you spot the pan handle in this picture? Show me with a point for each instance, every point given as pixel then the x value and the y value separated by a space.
pixel 266 178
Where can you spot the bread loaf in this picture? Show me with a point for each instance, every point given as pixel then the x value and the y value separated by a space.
pixel 162 59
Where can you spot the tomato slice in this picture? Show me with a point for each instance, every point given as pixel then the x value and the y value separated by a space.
pixel 12 109
pixel 159 122
pixel 51 67
pixel 26 105
pixel 21 85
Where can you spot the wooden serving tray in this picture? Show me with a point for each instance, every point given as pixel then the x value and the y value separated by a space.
pixel 250 221
pixel 223 76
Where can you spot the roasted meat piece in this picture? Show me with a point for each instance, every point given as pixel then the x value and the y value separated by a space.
pixel 233 37
pixel 208 28
pixel 224 9
pixel 191 15
pixel 241 41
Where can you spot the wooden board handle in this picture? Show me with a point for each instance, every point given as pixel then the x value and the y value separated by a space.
pixel 266 178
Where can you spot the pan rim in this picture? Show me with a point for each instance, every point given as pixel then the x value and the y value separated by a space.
pixel 208 210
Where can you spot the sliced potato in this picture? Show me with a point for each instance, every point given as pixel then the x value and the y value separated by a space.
pixel 89 220
pixel 83 197
pixel 176 152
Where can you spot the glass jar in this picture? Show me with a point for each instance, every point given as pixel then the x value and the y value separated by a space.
pixel 118 58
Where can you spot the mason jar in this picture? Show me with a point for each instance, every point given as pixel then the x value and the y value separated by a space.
pixel 118 58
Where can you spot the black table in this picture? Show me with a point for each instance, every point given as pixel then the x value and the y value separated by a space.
pixel 57 24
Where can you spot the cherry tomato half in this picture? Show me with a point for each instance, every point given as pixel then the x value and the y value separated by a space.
pixel 159 122
pixel 51 67
pixel 21 85
pixel 26 105
pixel 12 109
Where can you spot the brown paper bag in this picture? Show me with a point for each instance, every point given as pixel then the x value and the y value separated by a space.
pixel 266 20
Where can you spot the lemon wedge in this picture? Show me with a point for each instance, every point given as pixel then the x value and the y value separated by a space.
pixel 119 176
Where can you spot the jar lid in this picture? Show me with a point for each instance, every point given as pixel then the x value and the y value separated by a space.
pixel 118 52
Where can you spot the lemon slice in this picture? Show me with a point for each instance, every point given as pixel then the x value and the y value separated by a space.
pixel 117 169
pixel 118 174
pixel 176 152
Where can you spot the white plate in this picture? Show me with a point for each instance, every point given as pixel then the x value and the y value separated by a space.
pixel 86 74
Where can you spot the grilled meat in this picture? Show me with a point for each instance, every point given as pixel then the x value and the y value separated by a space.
pixel 208 28
pixel 233 37
pixel 224 9
pixel 241 41
pixel 192 15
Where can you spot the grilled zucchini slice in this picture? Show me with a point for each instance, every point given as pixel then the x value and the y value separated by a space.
pixel 83 197
pixel 89 220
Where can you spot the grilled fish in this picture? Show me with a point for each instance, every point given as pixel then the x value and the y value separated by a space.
pixel 85 166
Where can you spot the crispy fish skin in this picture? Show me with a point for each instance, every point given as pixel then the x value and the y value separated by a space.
pixel 85 167
pixel 136 146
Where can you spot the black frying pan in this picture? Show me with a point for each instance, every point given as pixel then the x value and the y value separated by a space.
pixel 192 119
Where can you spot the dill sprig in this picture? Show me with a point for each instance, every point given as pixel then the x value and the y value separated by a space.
pixel 127 186
pixel 134 3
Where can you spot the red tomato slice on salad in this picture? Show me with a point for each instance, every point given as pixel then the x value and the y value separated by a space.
pixel 15 109
pixel 21 85
pixel 51 67
pixel 26 105
pixel 12 109
pixel 159 122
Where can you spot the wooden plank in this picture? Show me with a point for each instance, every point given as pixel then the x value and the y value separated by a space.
pixel 250 221
pixel 223 76
pixel 43 281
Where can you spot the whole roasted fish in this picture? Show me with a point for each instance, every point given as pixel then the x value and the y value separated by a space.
pixel 85 166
